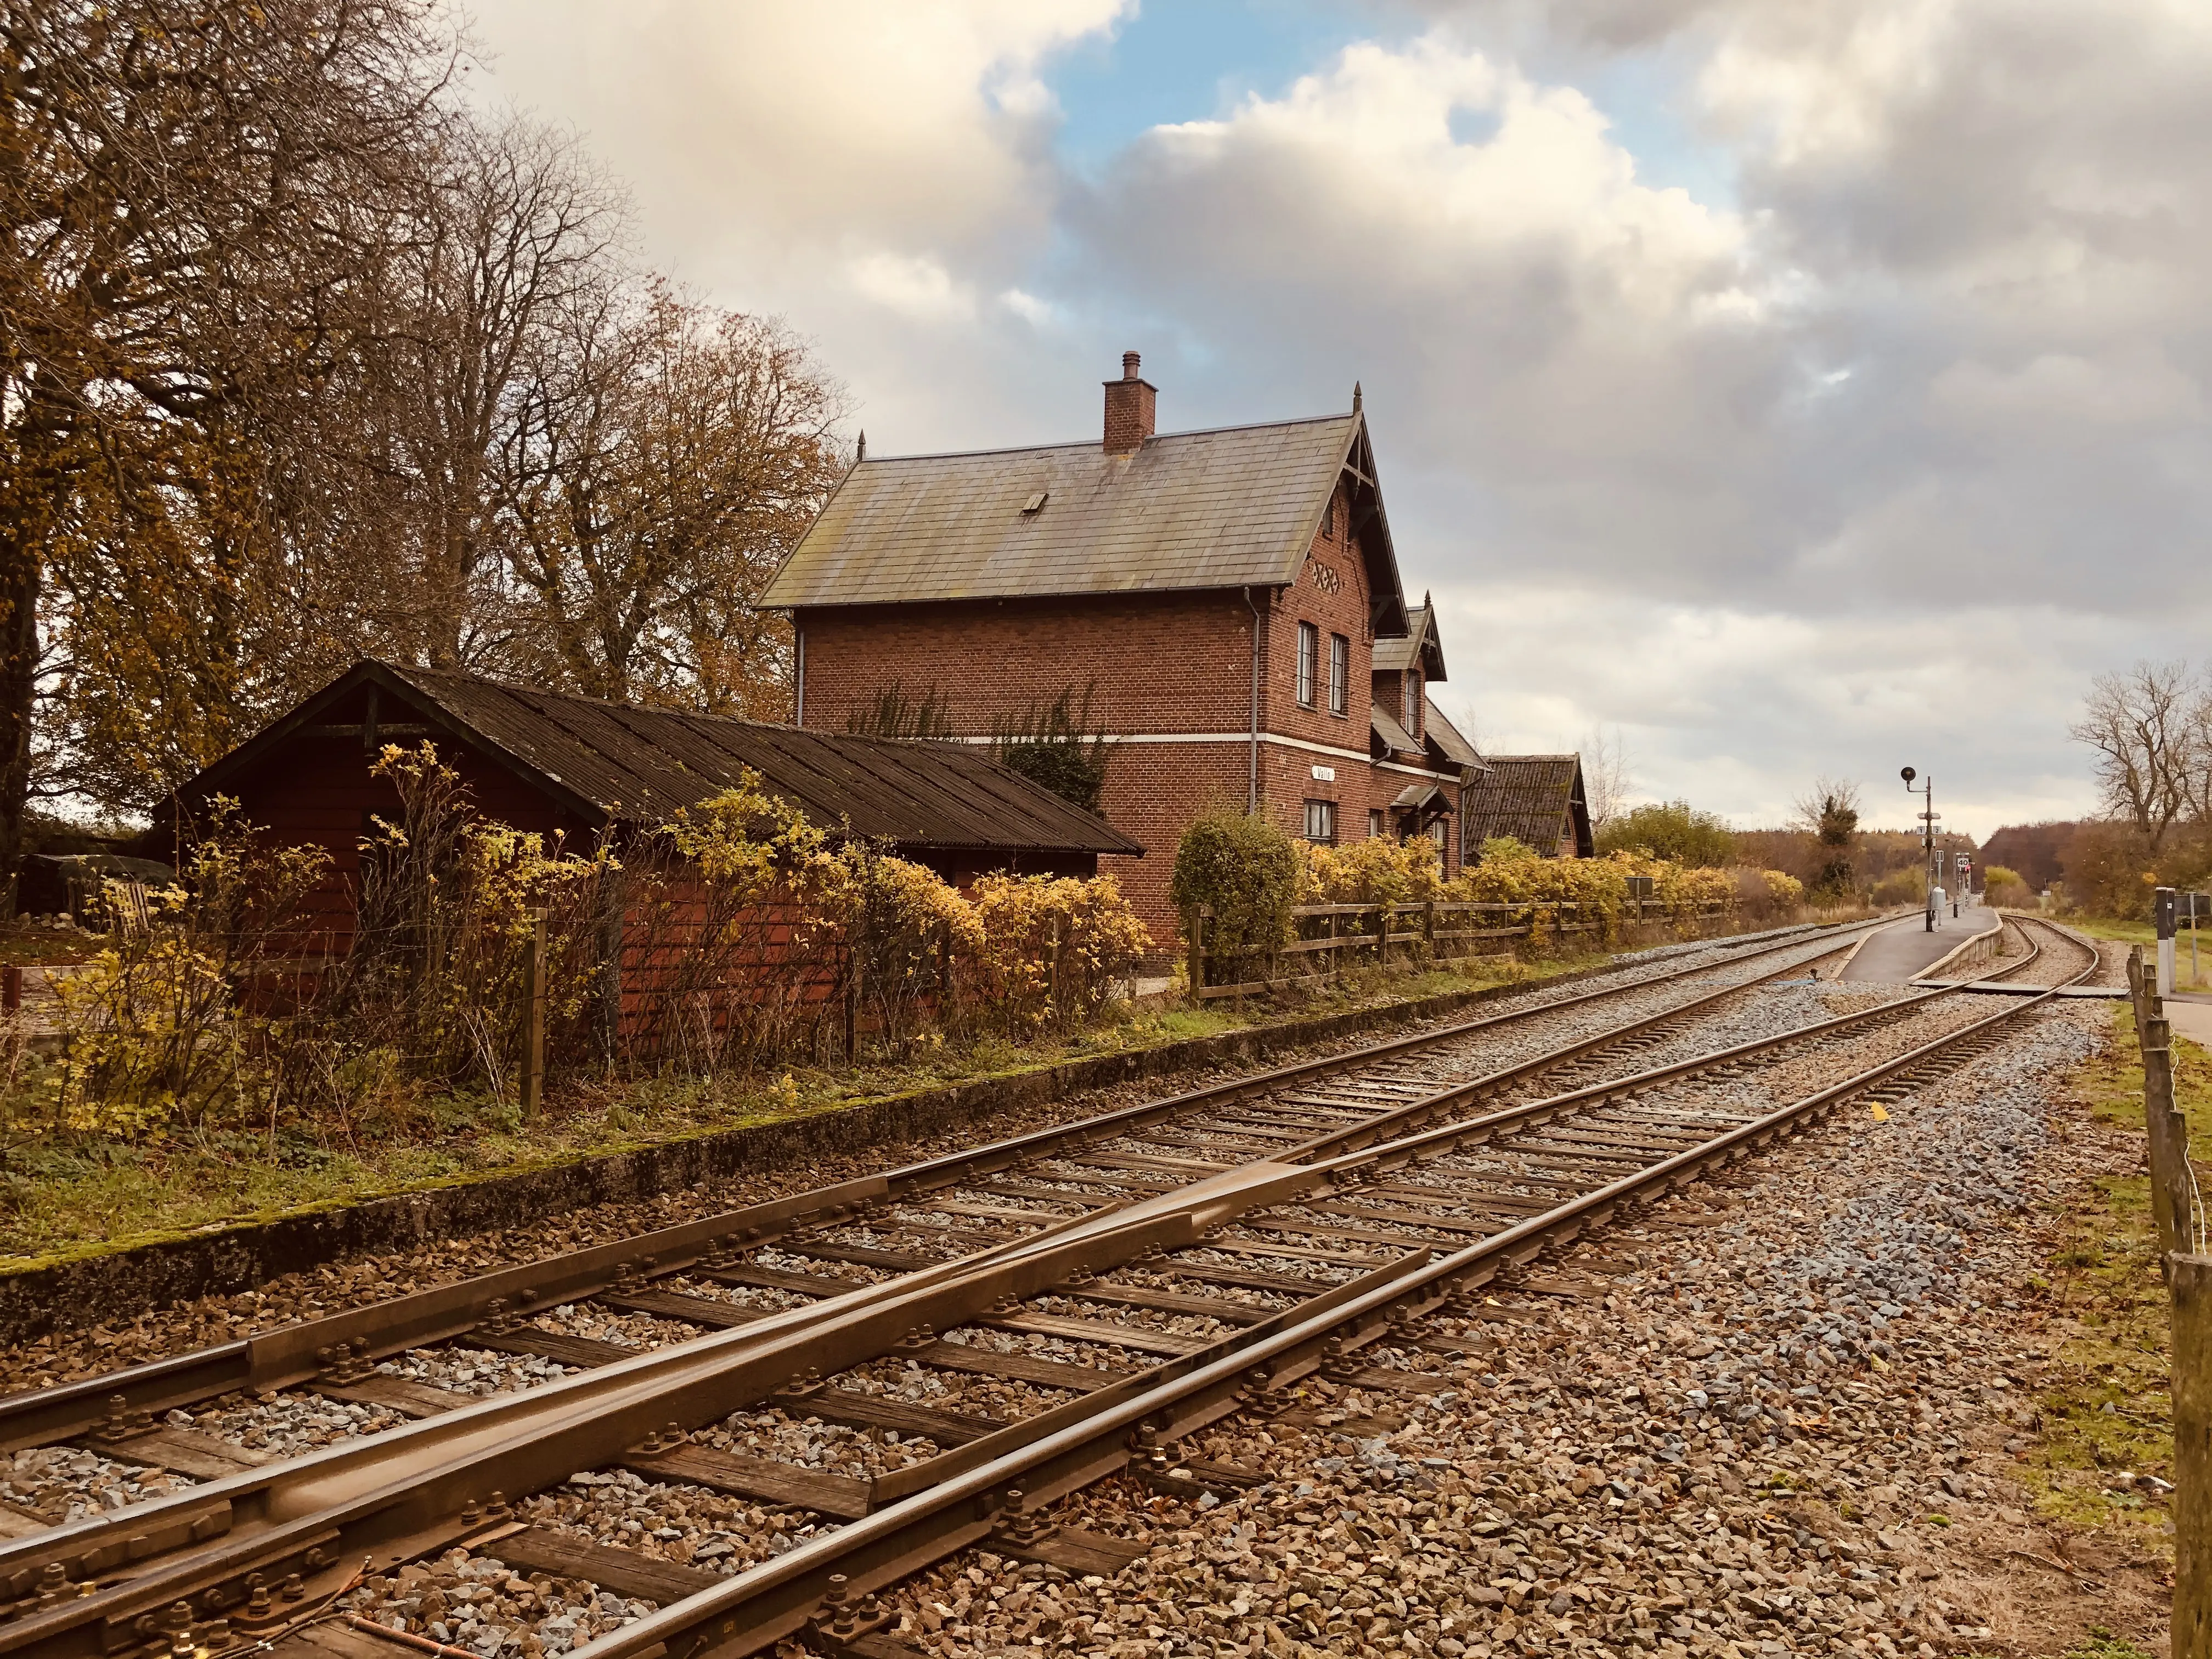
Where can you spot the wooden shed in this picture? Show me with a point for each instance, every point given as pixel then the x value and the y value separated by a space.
pixel 578 768
pixel 1538 799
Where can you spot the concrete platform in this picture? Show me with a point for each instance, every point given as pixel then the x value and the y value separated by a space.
pixel 1906 950
pixel 2191 1016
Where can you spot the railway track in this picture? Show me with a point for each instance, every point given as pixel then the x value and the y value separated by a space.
pixel 2074 954
pixel 489 1309
pixel 1107 1288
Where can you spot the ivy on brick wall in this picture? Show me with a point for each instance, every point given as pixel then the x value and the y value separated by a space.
pixel 1057 746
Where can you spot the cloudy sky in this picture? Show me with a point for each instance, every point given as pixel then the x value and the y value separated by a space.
pixel 1798 386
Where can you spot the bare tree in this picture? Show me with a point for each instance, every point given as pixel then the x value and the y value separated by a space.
pixel 666 459
pixel 518 229
pixel 2146 729
pixel 195 193
pixel 1608 778
pixel 1830 813
pixel 2197 775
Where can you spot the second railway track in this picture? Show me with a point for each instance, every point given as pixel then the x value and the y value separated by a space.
pixel 1207 1268
pixel 1575 1036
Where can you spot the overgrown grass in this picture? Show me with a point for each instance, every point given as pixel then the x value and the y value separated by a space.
pixel 66 1195
pixel 2100 1644
pixel 2109 1411
pixel 2143 934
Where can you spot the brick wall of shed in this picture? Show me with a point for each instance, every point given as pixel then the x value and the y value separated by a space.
pixel 320 792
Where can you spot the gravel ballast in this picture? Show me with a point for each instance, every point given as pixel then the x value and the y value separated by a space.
pixel 1784 1431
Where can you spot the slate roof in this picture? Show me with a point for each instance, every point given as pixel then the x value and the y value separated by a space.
pixel 1233 508
pixel 1395 737
pixel 1535 798
pixel 1446 739
pixel 610 762
pixel 1419 644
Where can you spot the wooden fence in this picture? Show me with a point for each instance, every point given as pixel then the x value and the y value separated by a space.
pixel 1333 939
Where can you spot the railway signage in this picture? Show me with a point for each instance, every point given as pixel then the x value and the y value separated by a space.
pixel 2170 907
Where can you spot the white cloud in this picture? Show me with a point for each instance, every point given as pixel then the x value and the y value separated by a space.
pixel 914 285
pixel 1741 708
pixel 2058 392
pixel 1884 442
pixel 1038 314
pixel 762 129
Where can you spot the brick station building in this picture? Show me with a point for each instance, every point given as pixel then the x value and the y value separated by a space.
pixel 1228 600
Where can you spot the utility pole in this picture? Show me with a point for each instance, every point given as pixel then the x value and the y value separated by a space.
pixel 1927 791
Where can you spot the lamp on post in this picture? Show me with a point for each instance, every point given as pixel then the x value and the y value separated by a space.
pixel 1927 792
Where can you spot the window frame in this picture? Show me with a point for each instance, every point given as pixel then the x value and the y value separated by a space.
pixel 1308 662
pixel 1325 811
pixel 1409 700
pixel 1340 676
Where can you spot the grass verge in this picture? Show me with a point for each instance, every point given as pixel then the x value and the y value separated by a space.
pixel 64 1196
pixel 2108 1411
pixel 2143 934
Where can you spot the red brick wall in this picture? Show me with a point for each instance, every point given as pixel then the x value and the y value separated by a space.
pixel 1159 664
pixel 320 791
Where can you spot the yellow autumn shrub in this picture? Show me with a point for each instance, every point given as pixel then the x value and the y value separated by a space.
pixel 1054 947
pixel 1375 871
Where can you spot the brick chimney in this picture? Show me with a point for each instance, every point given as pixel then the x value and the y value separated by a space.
pixel 1129 407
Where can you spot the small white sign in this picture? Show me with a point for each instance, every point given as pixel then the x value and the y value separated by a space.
pixel 1324 774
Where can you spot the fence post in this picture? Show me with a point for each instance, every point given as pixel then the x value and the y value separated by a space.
pixel 1429 927
pixel 1196 945
pixel 2166 1132
pixel 852 1005
pixel 2188 1278
pixel 1051 972
pixel 533 1017
pixel 2136 985
pixel 2163 909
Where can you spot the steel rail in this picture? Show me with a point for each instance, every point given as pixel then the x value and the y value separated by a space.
pixel 1591 1094
pixel 292 1354
pixel 505 1441
pixel 781 1597
pixel 392 1493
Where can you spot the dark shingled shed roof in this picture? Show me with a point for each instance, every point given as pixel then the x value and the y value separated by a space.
pixel 610 762
pixel 1535 798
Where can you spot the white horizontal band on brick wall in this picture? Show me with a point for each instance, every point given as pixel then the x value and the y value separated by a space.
pixel 1218 737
